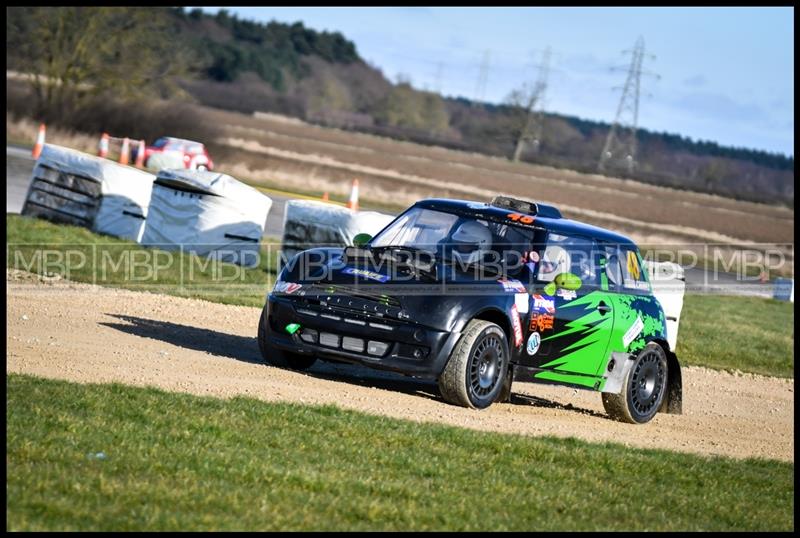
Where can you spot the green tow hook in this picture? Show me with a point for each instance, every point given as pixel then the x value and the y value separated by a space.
pixel 292 328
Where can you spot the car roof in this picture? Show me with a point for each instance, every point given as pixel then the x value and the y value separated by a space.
pixel 560 225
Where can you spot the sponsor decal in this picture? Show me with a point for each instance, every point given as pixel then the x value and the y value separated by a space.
pixel 367 274
pixel 633 265
pixel 543 304
pixel 512 285
pixel 517 326
pixel 522 300
pixel 631 334
pixel 541 322
pixel 567 295
pixel 534 340
pixel 287 287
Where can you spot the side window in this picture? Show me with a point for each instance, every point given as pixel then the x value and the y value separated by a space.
pixel 624 269
pixel 634 277
pixel 613 267
pixel 569 254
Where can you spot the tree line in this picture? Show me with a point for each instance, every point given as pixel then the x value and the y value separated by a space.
pixel 228 62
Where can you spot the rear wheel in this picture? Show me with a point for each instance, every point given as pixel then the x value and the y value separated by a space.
pixel 504 396
pixel 476 371
pixel 278 357
pixel 643 390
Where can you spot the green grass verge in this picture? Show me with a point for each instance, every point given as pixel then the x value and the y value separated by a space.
pixel 181 462
pixel 724 332
pixel 745 333
pixel 83 256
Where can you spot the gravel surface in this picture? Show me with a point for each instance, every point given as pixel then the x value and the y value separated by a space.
pixel 90 334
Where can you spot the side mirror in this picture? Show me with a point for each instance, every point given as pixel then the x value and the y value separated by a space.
pixel 361 239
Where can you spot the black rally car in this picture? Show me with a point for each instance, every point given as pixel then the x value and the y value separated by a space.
pixel 476 295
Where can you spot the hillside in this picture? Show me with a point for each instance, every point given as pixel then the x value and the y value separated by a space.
pixel 320 77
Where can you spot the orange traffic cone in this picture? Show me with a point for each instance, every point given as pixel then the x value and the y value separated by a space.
pixel 325 196
pixel 102 149
pixel 140 155
pixel 124 154
pixel 37 148
pixel 352 203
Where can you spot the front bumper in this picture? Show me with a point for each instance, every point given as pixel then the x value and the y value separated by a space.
pixel 358 337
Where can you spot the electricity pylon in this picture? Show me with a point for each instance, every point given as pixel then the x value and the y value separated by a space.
pixel 483 77
pixel 534 106
pixel 620 146
pixel 541 92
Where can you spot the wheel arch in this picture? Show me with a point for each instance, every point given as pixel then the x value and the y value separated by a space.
pixel 500 318
pixel 673 399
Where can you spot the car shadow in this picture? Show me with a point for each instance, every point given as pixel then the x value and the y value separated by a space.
pixel 536 401
pixel 240 348
pixel 245 349
pixel 369 377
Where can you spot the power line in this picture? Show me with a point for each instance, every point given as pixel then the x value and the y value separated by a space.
pixel 620 146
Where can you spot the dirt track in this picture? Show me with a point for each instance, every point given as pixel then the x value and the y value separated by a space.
pixel 86 333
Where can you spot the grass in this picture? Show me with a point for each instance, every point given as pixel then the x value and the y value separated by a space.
pixel 744 333
pixel 723 332
pixel 80 255
pixel 181 462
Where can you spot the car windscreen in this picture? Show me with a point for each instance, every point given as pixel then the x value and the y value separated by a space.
pixel 418 228
pixel 460 239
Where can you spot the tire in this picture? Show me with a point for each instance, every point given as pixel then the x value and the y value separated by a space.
pixel 476 371
pixel 504 396
pixel 278 357
pixel 643 390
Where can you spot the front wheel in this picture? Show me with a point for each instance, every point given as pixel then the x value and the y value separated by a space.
pixel 643 390
pixel 476 371
pixel 278 357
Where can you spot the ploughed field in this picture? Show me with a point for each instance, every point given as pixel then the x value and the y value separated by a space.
pixel 293 154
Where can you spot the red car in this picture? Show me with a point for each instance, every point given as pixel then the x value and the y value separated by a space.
pixel 193 154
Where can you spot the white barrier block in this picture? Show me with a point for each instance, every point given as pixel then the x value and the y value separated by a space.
pixel 73 187
pixel 310 223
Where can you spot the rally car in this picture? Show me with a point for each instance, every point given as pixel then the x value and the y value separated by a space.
pixel 475 296
pixel 192 155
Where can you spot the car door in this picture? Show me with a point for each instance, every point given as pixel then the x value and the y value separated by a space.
pixel 638 318
pixel 571 316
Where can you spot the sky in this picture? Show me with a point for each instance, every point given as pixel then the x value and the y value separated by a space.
pixel 723 74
